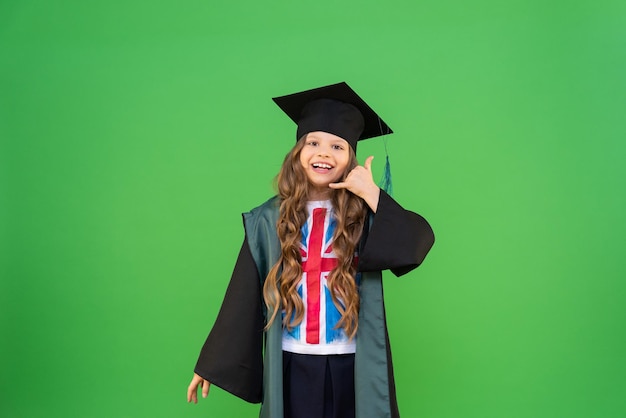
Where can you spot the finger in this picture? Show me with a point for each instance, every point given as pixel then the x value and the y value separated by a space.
pixel 192 390
pixel 340 185
pixel 205 388
pixel 368 163
pixel 191 393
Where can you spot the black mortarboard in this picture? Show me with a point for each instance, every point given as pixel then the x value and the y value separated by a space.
pixel 335 109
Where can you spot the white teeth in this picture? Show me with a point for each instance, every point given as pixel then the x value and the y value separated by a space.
pixel 322 165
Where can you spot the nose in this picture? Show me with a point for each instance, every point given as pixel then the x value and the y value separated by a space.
pixel 323 151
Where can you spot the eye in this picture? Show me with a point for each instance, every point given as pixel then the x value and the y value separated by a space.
pixel 312 143
pixel 338 147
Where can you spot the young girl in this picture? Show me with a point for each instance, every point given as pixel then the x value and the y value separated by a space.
pixel 302 327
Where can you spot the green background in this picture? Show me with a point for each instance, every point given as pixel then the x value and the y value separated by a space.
pixel 134 133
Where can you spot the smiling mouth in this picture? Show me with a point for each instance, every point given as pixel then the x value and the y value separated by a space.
pixel 322 166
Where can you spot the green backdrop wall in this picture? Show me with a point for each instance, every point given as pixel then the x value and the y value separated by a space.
pixel 134 133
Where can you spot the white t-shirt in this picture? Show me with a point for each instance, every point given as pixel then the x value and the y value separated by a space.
pixel 316 334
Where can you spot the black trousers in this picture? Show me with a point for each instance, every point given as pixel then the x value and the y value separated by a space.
pixel 316 386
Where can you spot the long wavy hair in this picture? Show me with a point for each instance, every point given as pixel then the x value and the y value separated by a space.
pixel 281 284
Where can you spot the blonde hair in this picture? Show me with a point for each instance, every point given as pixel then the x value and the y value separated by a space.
pixel 281 285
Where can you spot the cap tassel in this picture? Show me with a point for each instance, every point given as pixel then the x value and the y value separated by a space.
pixel 385 181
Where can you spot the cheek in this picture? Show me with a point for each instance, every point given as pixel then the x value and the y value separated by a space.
pixel 303 159
pixel 345 159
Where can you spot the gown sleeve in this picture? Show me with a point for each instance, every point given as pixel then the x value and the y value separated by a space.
pixel 231 357
pixel 398 239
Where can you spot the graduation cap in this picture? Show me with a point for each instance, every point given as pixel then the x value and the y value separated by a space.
pixel 338 110
pixel 335 109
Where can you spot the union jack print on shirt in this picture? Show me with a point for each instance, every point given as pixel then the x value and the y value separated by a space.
pixel 316 334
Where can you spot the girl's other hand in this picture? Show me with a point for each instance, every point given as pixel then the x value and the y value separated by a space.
pixel 361 182
pixel 192 390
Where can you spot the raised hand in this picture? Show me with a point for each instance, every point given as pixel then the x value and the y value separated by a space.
pixel 361 182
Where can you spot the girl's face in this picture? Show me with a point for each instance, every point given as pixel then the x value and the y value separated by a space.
pixel 324 158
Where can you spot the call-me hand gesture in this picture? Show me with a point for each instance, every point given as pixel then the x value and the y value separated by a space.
pixel 361 183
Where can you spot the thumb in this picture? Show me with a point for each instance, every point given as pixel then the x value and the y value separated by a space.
pixel 368 163
pixel 205 388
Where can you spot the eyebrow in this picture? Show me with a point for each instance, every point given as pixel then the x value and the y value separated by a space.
pixel 334 141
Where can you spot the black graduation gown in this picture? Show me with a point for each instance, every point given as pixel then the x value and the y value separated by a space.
pixel 232 356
